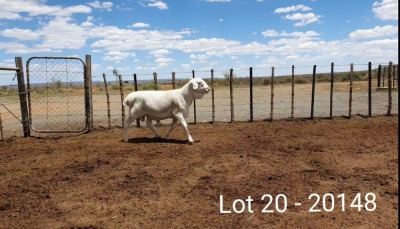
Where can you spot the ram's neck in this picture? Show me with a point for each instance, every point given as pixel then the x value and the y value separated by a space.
pixel 187 94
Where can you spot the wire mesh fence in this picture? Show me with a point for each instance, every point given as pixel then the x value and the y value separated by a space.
pixel 282 93
pixel 56 94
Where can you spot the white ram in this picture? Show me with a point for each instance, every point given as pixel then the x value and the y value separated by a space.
pixel 159 105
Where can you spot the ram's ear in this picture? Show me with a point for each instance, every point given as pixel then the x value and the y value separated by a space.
pixel 195 85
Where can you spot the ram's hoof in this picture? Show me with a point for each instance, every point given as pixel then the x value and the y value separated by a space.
pixel 190 142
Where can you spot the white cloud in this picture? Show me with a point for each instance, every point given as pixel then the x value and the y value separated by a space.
pixel 273 33
pixel 386 9
pixel 270 33
pixel 304 19
pixel 185 66
pixel 292 9
pixel 101 5
pixel 12 10
pixel 159 52
pixel 378 31
pixel 140 25
pixel 223 1
pixel 117 55
pixel 21 34
pixel 154 3
pixel 163 60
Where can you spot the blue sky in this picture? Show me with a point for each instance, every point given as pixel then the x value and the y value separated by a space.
pixel 145 36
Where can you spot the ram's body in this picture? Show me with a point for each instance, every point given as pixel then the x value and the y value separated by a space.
pixel 159 105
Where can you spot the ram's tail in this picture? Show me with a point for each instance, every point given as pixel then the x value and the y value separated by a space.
pixel 129 101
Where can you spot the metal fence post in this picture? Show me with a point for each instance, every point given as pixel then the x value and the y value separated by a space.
pixel 251 94
pixel 351 90
pixel 313 91
pixel 389 112
pixel 331 91
pixel 136 89
pixel 292 103
pixel 22 97
pixel 369 89
pixel 194 104
pixel 212 96
pixel 272 93
pixel 121 90
pixel 231 94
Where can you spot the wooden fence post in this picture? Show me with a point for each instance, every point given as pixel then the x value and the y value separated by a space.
pixel 394 78
pixel 173 80
pixel 351 90
pixel 272 93
pixel 88 91
pixel 212 96
pixel 121 89
pixel 331 91
pixel 1 128
pixel 383 76
pixel 136 89
pixel 155 81
pixel 369 89
pixel 231 94
pixel 313 91
pixel 22 97
pixel 389 112
pixel 194 104
pixel 379 76
pixel 251 94
pixel 108 101
pixel 292 103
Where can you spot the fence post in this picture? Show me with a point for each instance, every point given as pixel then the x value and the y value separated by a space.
pixel 136 89
pixel 379 76
pixel 231 94
pixel 394 79
pixel 155 81
pixel 173 80
pixel 1 128
pixel 108 101
pixel 389 112
pixel 351 90
pixel 272 93
pixel 369 89
pixel 292 105
pixel 121 89
pixel 88 91
pixel 383 76
pixel 22 97
pixel 331 92
pixel 313 91
pixel 212 96
pixel 251 94
pixel 194 104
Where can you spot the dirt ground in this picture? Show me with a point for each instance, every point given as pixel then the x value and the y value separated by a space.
pixel 96 181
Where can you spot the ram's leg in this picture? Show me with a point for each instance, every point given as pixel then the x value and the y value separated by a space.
pixel 173 124
pixel 149 123
pixel 179 117
pixel 126 125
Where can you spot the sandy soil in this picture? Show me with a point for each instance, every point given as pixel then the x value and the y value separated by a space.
pixel 96 181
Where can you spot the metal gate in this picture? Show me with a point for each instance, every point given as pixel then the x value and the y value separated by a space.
pixel 57 94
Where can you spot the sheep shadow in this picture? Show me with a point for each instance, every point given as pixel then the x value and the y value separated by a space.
pixel 156 140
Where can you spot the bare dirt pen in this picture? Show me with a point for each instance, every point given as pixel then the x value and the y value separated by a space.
pixel 96 181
